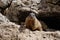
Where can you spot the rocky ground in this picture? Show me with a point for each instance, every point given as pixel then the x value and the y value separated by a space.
pixel 12 31
pixel 14 12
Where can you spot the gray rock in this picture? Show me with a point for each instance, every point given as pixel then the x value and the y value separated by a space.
pixel 9 31
pixel 4 3
pixel 3 19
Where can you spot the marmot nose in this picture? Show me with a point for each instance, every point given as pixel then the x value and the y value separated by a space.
pixel 32 15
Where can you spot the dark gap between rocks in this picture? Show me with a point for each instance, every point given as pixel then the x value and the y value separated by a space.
pixel 22 16
pixel 52 22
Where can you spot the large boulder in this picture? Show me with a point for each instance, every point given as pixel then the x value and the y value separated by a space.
pixel 15 12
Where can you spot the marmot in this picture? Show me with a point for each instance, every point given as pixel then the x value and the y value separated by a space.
pixel 33 23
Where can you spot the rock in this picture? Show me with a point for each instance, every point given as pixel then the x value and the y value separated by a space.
pixel 9 31
pixel 14 13
pixel 49 8
pixel 18 8
pixel 3 19
pixel 27 34
pixel 4 3
pixel 12 31
pixel 43 8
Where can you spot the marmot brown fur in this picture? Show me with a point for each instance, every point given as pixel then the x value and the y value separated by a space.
pixel 33 23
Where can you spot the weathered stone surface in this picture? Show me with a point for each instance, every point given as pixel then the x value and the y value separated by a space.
pixel 14 12
pixel 49 8
pixel 38 35
pixel 3 19
pixel 4 3
pixel 11 31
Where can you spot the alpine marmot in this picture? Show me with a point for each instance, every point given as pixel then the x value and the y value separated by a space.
pixel 33 23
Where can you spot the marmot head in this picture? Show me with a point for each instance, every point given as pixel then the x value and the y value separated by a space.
pixel 32 15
